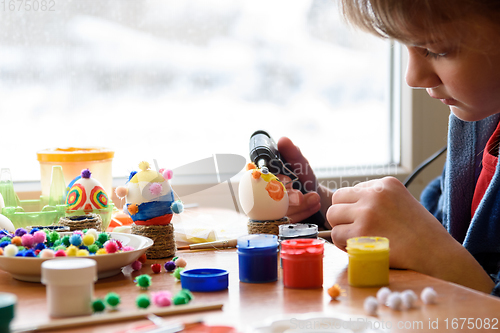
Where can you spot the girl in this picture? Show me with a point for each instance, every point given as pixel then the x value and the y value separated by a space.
pixel 454 53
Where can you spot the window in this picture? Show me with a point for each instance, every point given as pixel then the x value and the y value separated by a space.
pixel 178 81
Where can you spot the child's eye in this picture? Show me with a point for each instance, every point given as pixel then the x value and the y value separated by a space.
pixel 428 53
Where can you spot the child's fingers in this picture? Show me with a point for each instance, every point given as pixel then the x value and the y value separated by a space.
pixel 302 206
pixel 339 214
pixel 346 195
pixel 341 233
pixel 287 181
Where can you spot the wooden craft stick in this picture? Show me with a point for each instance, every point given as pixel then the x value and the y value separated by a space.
pixel 115 317
pixel 233 242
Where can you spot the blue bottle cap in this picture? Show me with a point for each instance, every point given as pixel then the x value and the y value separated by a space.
pixel 205 279
pixel 257 241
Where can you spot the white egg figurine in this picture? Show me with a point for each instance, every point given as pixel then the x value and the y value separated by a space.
pixel 6 224
pixel 149 196
pixel 86 193
pixel 262 195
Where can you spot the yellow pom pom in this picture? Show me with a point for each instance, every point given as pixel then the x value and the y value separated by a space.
pixel 101 251
pixel 71 251
pixel 82 253
pixel 88 239
pixel 144 165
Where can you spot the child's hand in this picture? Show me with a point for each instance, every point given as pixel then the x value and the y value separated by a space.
pixel 302 205
pixel 384 207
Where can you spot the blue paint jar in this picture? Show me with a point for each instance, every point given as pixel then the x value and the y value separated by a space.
pixel 258 258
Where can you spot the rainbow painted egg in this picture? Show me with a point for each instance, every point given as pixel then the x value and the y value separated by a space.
pixel 86 193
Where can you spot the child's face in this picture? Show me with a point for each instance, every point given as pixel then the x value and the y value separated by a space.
pixel 467 78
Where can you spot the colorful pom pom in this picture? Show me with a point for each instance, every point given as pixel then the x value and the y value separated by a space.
pixel 20 232
pixel 93 248
pixel 167 174
pixel 136 265
pixel 182 297
pixel 17 240
pixel 53 236
pixel 169 266
pixel 133 209
pixel 111 246
pixel 98 305
pixel 47 253
pixel 408 297
pixel 112 299
pixel 156 268
pixel 428 295
pixel 39 237
pixel 155 189
pixel 334 291
pixel 394 301
pixel 82 253
pixel 86 173
pixel 143 281
pixel 143 258
pixel 88 239
pixel 60 253
pixel 30 253
pixel 103 237
pixel 101 251
pixel 144 165
pixel 162 298
pixel 382 295
pixel 180 262
pixel 92 232
pixel 71 251
pixel 370 305
pixel 75 240
pixel 177 272
pixel 142 301
pixel 177 207
pixel 128 248
pixel 10 250
pixel 27 240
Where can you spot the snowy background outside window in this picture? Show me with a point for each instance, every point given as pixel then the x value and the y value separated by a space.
pixel 178 81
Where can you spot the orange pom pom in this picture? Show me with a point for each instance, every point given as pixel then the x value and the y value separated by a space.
pixel 142 258
pixel 133 209
pixel 334 291
pixel 251 166
pixel 16 241
pixel 256 174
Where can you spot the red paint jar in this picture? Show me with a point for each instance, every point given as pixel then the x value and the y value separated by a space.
pixel 302 261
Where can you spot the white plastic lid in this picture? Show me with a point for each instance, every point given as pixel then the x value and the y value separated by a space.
pixel 68 272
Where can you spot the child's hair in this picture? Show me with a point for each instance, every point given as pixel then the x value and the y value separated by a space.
pixel 405 20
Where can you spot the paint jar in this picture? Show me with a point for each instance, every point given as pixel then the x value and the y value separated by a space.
pixel 368 261
pixel 302 261
pixel 73 160
pixel 70 285
pixel 297 230
pixel 7 304
pixel 258 258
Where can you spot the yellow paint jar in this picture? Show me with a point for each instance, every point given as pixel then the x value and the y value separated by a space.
pixel 368 261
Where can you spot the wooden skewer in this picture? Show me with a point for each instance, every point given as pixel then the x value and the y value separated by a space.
pixel 115 317
pixel 232 243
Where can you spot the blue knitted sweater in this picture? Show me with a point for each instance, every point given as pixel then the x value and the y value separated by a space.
pixel 449 197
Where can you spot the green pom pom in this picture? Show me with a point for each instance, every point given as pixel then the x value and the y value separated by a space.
pixel 57 243
pixel 93 248
pixel 186 293
pixel 183 297
pixel 177 272
pixel 143 281
pixel 65 241
pixel 60 247
pixel 113 299
pixel 103 237
pixel 142 301
pixel 99 244
pixel 98 305
pixel 178 300
pixel 53 236
pixel 5 239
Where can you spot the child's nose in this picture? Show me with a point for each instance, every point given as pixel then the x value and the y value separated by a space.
pixel 420 72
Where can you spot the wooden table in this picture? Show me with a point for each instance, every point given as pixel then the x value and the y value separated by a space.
pixel 250 305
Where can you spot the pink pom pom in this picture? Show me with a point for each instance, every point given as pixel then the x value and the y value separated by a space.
pixel 167 174
pixel 136 265
pixel 60 253
pixel 128 248
pixel 162 298
pixel 121 192
pixel 110 247
pixel 27 240
pixel 39 237
pixel 47 253
pixel 78 232
pixel 155 188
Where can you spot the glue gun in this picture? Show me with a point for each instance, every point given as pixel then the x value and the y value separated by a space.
pixel 264 153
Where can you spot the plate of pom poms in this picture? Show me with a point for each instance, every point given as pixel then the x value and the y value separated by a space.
pixel 22 252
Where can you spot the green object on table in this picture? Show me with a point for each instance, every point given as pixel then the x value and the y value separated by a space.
pixel 7 304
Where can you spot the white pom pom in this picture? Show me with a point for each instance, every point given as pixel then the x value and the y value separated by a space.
pixel 394 301
pixel 10 250
pixel 428 295
pixel 371 305
pixel 408 297
pixel 382 295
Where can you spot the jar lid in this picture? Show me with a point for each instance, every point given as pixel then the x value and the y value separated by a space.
pixel 367 245
pixel 298 230
pixel 204 279
pixel 257 241
pixel 74 154
pixel 69 271
pixel 7 303
pixel 303 246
